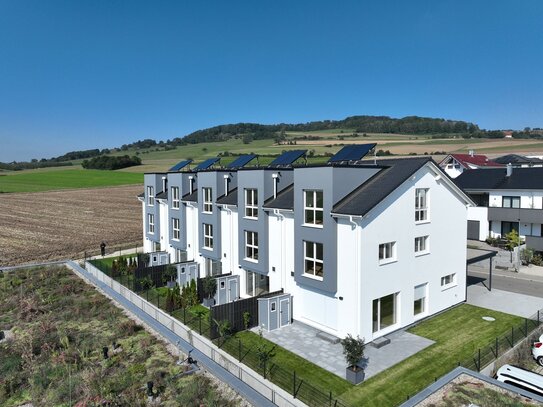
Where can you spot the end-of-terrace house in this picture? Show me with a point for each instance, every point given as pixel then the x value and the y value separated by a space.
pixel 507 198
pixel 456 164
pixel 361 247
pixel 519 161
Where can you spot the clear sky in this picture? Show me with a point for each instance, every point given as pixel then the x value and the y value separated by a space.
pixel 80 74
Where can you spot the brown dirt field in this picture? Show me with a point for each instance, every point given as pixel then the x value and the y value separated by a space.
pixel 52 225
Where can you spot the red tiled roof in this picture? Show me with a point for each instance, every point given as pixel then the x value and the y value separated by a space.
pixel 478 160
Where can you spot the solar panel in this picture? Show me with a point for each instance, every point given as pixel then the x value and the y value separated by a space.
pixel 180 165
pixel 206 164
pixel 354 152
pixel 241 161
pixel 288 157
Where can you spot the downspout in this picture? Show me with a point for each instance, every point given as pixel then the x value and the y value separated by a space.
pixel 283 261
pixel 358 270
pixel 229 211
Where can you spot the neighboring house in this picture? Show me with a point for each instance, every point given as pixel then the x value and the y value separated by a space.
pixel 508 198
pixel 363 248
pixel 456 164
pixel 519 161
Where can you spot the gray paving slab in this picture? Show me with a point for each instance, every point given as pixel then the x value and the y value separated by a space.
pixel 302 340
pixel 511 303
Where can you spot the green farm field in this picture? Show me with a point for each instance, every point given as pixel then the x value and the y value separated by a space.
pixel 45 180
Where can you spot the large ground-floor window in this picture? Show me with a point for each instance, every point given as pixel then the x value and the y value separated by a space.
pixel 384 312
pixel 213 267
pixel 257 284
pixel 419 302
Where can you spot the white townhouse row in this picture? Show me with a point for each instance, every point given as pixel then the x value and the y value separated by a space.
pixel 362 247
pixel 507 199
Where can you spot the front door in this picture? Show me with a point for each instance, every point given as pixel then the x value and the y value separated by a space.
pixel 284 307
pixel 232 290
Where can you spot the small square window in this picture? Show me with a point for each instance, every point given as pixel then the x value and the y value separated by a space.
pixel 273 306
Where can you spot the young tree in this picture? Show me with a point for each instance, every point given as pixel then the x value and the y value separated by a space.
pixel 353 350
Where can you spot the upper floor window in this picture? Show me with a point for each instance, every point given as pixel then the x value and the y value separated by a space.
pixel 208 236
pixel 150 196
pixel 208 200
pixel 387 252
pixel 421 245
pixel 251 245
pixel 511 202
pixel 251 203
pixel 175 229
pixel 448 281
pixel 313 207
pixel 421 204
pixel 313 259
pixel 151 222
pixel 175 197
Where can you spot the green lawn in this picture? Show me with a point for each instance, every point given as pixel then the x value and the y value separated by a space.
pixel 35 181
pixel 458 334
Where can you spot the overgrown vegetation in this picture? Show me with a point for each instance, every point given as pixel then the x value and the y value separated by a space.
pixel 58 327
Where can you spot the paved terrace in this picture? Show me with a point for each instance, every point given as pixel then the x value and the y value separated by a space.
pixel 302 340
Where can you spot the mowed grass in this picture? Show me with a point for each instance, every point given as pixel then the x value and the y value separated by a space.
pixel 457 333
pixel 35 181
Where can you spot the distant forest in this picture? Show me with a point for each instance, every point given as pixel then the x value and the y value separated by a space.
pixel 410 125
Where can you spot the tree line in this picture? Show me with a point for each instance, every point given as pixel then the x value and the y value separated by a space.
pixel 108 162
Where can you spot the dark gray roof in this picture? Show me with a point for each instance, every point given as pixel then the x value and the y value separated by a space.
pixel 374 190
pixel 162 195
pixel 517 159
pixel 230 199
pixel 191 197
pixel 284 199
pixel 495 178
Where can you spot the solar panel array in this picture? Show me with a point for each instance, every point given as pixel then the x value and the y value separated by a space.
pixel 180 165
pixel 287 158
pixel 206 164
pixel 354 152
pixel 241 161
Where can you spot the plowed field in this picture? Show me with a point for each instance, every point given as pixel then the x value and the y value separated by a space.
pixel 42 226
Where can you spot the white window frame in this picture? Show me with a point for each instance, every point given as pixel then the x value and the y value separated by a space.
pixel 207 200
pixel 251 203
pixel 387 252
pixel 251 246
pixel 313 210
pixel 176 229
pixel 150 195
pixel 314 260
pixel 422 212
pixel 424 299
pixel 422 245
pixel 448 281
pixel 208 236
pixel 175 197
pixel 151 223
pixel 396 313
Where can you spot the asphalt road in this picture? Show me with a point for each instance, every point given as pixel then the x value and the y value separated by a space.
pixel 521 284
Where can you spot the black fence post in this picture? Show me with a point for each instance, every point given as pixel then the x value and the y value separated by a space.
pixel 526 327
pixel 479 359
pixel 294 384
pixel 330 399
pixel 512 336
pixel 200 323
pixel 185 315
pixel 497 350
pixel 239 350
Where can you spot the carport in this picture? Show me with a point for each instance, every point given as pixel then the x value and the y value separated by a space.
pixel 476 256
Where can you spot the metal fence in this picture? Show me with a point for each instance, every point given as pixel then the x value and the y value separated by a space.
pixel 280 385
pixel 502 344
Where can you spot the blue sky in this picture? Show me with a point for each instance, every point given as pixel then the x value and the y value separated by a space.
pixel 95 74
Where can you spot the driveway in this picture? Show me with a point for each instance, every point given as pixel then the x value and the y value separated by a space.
pixel 521 305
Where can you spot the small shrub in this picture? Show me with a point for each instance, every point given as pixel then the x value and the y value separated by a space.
pixel 353 350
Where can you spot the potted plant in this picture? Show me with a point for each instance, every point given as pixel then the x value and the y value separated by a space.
pixel 353 350
pixel 210 288
pixel 169 276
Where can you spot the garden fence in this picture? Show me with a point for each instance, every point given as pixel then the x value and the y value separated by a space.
pixel 278 384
